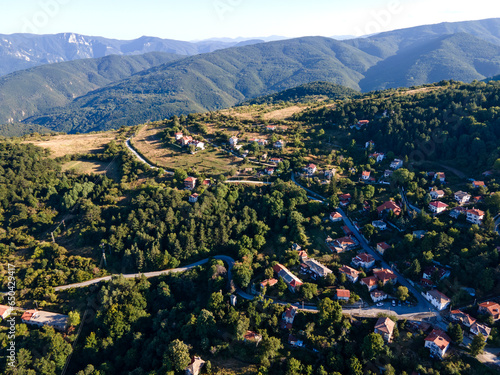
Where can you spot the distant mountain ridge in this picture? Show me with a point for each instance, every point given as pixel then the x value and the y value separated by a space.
pixel 402 58
pixel 23 51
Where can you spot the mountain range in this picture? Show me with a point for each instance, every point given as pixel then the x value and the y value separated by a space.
pixel 156 89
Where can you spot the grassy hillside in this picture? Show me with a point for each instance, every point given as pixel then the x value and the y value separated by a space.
pixel 25 93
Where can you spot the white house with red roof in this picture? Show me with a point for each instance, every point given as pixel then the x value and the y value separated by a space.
pixel 351 274
pixel 385 327
pixel 437 207
pixel 275 161
pixel 436 194
pixel 311 169
pixel 288 317
pixel 45 318
pixel 385 275
pixel 490 308
pixel 377 156
pixel 365 175
pixel 269 171
pixel 382 247
pixel 363 260
pixel 342 244
pixel 431 270
pixel 370 282
pixel 178 136
pixel 193 198
pixel 343 294
pixel 475 216
pixel 335 216
pixel 389 206
pixel 440 176
pixel 437 299
pixel 190 183
pixel 459 316
pixel 438 342
pixel 288 277
pixel 477 184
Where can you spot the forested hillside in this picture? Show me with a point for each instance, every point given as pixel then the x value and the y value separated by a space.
pixel 448 122
pixel 39 89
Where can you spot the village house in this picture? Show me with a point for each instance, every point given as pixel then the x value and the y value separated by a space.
pixel 365 175
pixel 431 270
pixel 178 136
pixel 437 207
pixel 462 197
pixel 296 247
pixel 456 211
pixel 302 255
pixel 377 156
pixel 233 141
pixel 382 247
pixel 345 199
pixel 389 206
pixel 385 327
pixel 351 274
pixel 490 308
pixel 190 183
pixel 439 176
pixel 363 260
pixel 378 295
pixel 264 157
pixel 269 171
pixel 294 341
pixel 5 311
pixel 436 194
pixel 193 198
pixel 271 127
pixel 279 144
pixel 342 244
pixel 379 224
pixel 289 278
pixel 369 144
pixel 275 161
pixel 478 328
pixel 195 366
pixel 459 316
pixel 475 216
pixel 477 184
pixel 343 294
pixel 268 283
pixel 396 164
pixel 385 276
pixel 252 337
pixel 288 317
pixel 437 299
pixel 44 318
pixel 185 140
pixel 316 267
pixel 330 173
pixel 370 282
pixel 360 124
pixel 311 169
pixel 335 216
pixel 438 342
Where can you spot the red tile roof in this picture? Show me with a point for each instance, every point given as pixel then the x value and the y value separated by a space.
pixel 389 205
pixel 438 204
pixel 384 275
pixel 439 338
pixel 370 281
pixel 343 293
pixel 383 245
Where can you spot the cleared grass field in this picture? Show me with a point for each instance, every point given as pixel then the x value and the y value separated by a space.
pixel 71 144
pixel 210 161
pixel 93 167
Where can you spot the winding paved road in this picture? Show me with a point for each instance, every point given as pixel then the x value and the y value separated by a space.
pixel 136 154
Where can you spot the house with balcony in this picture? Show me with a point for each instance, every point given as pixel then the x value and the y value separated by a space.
pixel 438 343
pixel 351 274
pixel 385 327
pixel 475 216
pixel 437 207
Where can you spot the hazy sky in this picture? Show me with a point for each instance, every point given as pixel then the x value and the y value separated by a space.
pixel 202 19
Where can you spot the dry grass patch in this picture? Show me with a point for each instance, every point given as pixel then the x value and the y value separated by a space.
pixel 71 144
pixel 110 169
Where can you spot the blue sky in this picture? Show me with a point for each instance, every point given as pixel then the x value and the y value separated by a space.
pixel 202 19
